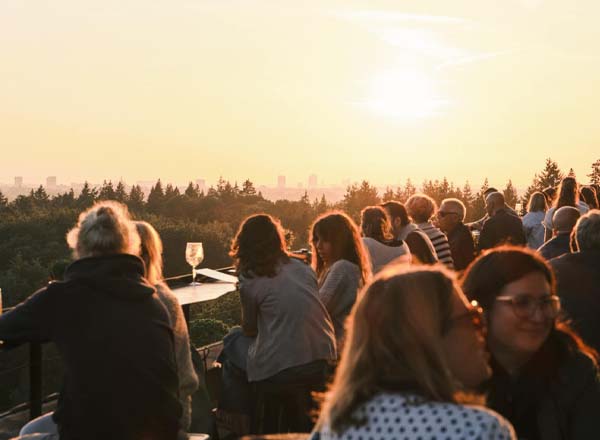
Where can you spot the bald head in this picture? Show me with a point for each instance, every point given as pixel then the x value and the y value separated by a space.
pixel 493 202
pixel 564 219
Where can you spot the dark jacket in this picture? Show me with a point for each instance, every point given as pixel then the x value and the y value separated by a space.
pixel 556 246
pixel 555 397
pixel 501 228
pixel 114 336
pixel 420 247
pixel 578 285
pixel 461 246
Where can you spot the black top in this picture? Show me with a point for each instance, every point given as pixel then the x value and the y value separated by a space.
pixel 461 246
pixel 555 396
pixel 502 228
pixel 556 246
pixel 419 248
pixel 578 285
pixel 114 336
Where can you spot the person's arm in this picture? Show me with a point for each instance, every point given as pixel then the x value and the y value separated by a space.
pixel 27 321
pixel 335 282
pixel 486 237
pixel 465 252
pixel 420 249
pixel 249 311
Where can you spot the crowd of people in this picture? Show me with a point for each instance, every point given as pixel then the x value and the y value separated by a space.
pixel 410 325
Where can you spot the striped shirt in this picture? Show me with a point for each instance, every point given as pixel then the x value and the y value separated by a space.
pixel 440 243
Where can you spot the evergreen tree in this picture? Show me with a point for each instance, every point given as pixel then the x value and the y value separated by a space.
pixel 550 175
pixel 120 192
pixel 357 197
pixel 248 188
pixel 156 197
pixel 87 196
pixel 388 194
pixel 135 200
pixel 305 200
pixel 66 200
pixel 107 192
pixel 40 196
pixel 192 191
pixel 510 194
pixel 595 174
pixel 321 206
pixel 468 199
pixel 171 191
pixel 3 201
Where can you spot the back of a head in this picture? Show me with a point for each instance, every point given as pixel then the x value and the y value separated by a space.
pixel 568 194
pixel 486 277
pixel 375 223
pixel 259 246
pixel 589 196
pixel 394 341
pixel 396 210
pixel 150 251
pixel 104 229
pixel 587 231
pixel 420 207
pixel 488 191
pixel 495 199
pixel 537 202
pixel 565 218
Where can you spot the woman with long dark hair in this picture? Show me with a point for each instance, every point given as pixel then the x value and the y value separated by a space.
pixel 568 195
pixel 415 349
pixel 589 196
pixel 377 235
pixel 545 379
pixel 341 263
pixel 294 339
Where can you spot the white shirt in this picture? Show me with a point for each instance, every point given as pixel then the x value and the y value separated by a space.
pixel 402 416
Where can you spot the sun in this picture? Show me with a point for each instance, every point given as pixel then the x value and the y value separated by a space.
pixel 405 94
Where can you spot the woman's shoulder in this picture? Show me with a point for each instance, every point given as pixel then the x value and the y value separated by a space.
pixel 396 415
pixel 344 266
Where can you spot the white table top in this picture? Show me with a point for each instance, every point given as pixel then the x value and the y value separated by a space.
pixel 203 292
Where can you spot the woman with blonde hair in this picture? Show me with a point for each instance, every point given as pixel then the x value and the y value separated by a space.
pixel 414 347
pixel 151 252
pixel 341 263
pixel 112 332
pixel 532 221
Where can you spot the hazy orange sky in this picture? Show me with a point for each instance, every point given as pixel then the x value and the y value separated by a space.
pixel 380 90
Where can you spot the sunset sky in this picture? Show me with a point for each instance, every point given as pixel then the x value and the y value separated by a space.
pixel 377 90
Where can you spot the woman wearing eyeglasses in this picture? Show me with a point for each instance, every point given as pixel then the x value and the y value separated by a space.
pixel 545 379
pixel 414 346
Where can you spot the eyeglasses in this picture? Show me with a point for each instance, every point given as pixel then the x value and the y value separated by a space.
pixel 474 314
pixel 442 214
pixel 525 306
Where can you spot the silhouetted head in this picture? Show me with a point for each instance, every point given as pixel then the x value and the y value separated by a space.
pixel 564 219
pixel 537 202
pixel 104 229
pixel 375 223
pixel 587 231
pixel 421 207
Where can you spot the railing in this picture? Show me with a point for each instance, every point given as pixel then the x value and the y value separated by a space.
pixel 35 364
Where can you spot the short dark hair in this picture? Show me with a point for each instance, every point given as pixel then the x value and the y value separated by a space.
pixel 396 210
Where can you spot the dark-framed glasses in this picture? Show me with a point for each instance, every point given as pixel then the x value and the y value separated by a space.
pixel 525 306
pixel 474 314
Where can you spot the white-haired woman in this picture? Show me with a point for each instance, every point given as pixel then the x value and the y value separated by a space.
pixel 151 253
pixel 112 332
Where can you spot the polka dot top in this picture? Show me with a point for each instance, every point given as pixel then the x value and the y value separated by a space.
pixel 402 417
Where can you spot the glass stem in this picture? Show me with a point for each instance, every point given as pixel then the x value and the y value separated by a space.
pixel 193 274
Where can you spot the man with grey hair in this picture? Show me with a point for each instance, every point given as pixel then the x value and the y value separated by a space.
pixel 450 219
pixel 421 209
pixel 502 227
pixel 578 279
pixel 563 222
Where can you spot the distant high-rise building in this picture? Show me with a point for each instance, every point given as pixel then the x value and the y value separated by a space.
pixel 313 181
pixel 201 184
pixel 51 182
pixel 18 181
pixel 281 182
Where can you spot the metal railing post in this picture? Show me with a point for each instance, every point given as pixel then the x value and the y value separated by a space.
pixel 35 380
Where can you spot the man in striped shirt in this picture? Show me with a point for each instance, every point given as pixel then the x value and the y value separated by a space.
pixel 422 208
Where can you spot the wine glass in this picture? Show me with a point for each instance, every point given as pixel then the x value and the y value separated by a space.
pixel 194 254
